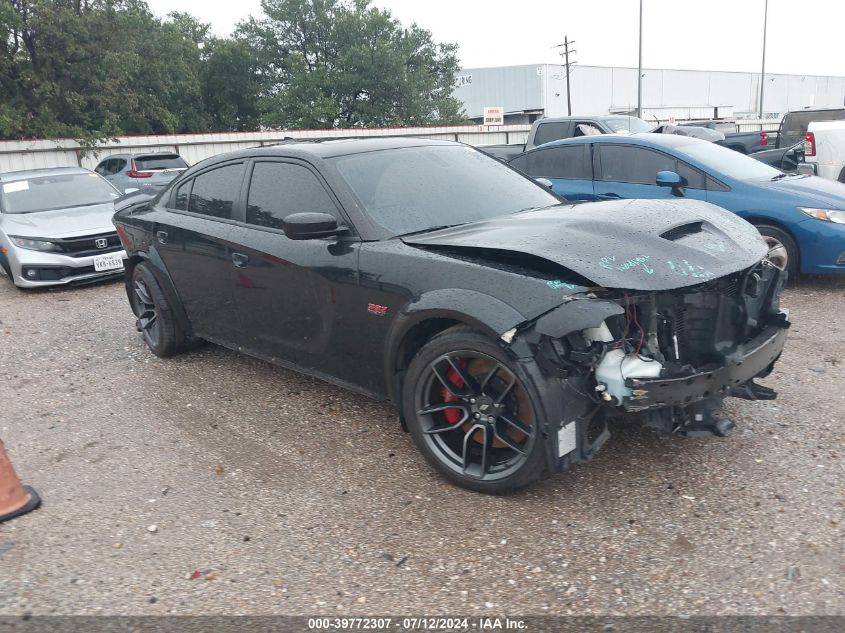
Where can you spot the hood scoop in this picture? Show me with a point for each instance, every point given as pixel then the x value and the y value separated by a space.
pixel 683 230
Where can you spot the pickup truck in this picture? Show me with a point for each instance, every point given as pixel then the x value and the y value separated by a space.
pixel 788 159
pixel 794 125
pixel 824 149
pixel 742 142
pixel 554 129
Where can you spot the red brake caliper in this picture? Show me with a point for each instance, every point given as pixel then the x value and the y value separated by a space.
pixel 453 416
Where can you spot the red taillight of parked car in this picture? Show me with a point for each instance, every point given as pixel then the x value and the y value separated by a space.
pixel 810 144
pixel 134 173
pixel 764 139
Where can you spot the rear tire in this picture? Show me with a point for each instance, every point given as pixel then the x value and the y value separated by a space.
pixel 156 321
pixel 482 429
pixel 783 251
pixel 842 176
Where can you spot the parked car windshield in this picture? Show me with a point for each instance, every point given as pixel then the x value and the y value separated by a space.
pixel 628 124
pixel 47 193
pixel 413 189
pixel 159 162
pixel 728 162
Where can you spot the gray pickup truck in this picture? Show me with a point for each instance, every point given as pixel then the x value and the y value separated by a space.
pixel 742 142
pixel 548 130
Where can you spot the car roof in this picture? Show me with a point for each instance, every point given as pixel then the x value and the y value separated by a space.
pixel 137 154
pixel 645 139
pixel 26 174
pixel 331 148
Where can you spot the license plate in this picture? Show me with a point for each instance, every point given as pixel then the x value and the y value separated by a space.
pixel 111 261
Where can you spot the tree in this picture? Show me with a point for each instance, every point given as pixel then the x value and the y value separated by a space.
pixel 230 86
pixel 95 69
pixel 343 63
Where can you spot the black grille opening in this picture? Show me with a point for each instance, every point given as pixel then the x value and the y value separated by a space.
pixel 88 245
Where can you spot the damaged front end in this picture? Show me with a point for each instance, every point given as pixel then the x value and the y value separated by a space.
pixel 667 358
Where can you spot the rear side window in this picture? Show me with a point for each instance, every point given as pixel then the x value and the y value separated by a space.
pixel 280 189
pixel 625 163
pixel 110 166
pixel 547 132
pixel 214 192
pixel 569 162
pixel 159 162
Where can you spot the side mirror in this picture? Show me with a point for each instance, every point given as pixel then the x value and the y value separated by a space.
pixel 311 226
pixel 544 182
pixel 671 179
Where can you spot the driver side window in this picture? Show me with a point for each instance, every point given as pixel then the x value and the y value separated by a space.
pixel 639 165
pixel 278 189
pixel 626 163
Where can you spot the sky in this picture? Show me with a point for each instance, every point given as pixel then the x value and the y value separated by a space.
pixel 803 36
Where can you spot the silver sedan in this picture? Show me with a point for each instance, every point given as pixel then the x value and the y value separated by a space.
pixel 55 227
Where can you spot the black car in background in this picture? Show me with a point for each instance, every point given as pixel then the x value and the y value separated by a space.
pixel 506 326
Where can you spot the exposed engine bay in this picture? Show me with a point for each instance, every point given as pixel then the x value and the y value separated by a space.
pixel 664 358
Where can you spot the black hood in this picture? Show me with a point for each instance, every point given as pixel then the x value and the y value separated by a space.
pixel 628 244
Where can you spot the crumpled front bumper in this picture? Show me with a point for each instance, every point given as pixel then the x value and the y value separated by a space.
pixel 751 359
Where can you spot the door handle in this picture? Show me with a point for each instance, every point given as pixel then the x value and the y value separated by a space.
pixel 240 260
pixel 610 196
pixel 161 236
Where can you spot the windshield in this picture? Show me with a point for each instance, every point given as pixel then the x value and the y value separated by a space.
pixel 414 189
pixel 628 124
pixel 47 193
pixel 728 162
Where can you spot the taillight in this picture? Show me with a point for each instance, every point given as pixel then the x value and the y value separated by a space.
pixel 810 144
pixel 764 139
pixel 134 173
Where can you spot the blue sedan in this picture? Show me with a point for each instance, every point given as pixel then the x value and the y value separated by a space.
pixel 801 217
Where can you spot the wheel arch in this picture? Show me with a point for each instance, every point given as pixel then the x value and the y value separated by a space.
pixel 163 278
pixel 434 313
pixel 759 220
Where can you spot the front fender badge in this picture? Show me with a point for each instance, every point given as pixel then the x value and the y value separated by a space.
pixel 378 310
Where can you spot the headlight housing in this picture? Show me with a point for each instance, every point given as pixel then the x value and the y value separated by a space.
pixel 43 246
pixel 828 215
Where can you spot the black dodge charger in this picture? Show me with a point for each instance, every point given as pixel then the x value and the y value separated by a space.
pixel 506 325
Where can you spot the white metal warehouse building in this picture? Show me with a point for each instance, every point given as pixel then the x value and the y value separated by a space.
pixel 532 91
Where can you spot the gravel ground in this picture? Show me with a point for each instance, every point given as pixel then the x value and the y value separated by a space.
pixel 272 493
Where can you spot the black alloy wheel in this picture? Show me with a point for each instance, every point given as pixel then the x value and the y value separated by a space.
pixel 472 415
pixel 155 319
pixel 145 309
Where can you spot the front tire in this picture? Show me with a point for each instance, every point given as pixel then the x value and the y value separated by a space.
pixel 473 414
pixel 783 251
pixel 155 318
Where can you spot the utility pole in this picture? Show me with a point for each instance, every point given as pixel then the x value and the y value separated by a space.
pixel 565 54
pixel 763 71
pixel 640 68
